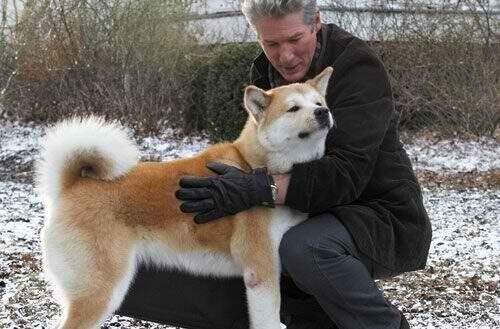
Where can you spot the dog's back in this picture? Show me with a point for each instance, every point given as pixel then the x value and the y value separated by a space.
pixel 90 179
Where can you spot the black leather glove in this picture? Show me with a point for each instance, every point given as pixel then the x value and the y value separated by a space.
pixel 227 193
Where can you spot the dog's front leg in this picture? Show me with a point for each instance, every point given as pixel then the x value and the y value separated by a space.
pixel 254 249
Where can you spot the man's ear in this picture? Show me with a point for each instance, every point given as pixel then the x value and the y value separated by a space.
pixel 256 100
pixel 317 21
pixel 320 82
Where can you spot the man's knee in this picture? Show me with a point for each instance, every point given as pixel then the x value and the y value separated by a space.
pixel 295 250
pixel 317 238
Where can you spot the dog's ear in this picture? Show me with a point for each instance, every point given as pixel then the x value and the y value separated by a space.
pixel 320 82
pixel 256 100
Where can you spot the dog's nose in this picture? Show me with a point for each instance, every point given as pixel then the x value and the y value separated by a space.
pixel 321 112
pixel 322 115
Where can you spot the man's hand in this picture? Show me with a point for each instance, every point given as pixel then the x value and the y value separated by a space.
pixel 227 193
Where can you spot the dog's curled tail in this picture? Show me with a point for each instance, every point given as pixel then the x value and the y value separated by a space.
pixel 83 147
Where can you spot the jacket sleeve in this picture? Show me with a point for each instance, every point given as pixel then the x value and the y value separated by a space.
pixel 360 98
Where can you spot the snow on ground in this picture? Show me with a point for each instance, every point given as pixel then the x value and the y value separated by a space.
pixel 458 289
pixel 454 155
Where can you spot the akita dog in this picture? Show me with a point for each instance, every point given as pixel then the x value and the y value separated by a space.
pixel 105 211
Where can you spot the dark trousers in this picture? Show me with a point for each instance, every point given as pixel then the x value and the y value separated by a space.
pixel 326 283
pixel 321 258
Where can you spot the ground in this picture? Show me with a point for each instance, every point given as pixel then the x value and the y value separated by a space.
pixel 459 288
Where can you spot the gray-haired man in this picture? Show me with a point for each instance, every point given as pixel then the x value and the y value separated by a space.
pixel 367 218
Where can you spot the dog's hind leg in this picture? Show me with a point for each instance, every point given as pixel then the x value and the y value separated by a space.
pixel 90 311
pixel 90 273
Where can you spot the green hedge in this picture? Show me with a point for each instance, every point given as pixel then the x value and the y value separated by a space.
pixel 219 107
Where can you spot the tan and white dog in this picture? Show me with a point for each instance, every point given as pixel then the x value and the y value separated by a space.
pixel 106 212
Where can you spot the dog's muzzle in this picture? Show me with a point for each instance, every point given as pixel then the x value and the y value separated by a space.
pixel 322 115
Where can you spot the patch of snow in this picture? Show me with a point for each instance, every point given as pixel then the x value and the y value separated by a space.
pixel 454 155
pixel 167 147
pixel 21 216
pixel 465 224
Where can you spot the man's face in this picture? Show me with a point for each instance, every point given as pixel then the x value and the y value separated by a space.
pixel 288 43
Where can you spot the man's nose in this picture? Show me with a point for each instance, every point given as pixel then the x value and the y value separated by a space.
pixel 286 54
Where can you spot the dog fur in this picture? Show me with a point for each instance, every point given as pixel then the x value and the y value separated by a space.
pixel 106 212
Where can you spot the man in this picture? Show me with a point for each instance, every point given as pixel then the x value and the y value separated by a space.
pixel 367 218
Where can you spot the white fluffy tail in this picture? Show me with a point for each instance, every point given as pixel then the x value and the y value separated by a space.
pixel 82 147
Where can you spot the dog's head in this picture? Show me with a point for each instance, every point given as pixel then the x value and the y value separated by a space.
pixel 292 117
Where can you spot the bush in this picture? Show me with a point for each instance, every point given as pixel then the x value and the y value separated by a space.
pixel 131 60
pixel 122 59
pixel 195 117
pixel 7 68
pixel 228 72
pixel 446 83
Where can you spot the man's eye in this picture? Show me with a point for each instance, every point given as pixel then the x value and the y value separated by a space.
pixel 294 109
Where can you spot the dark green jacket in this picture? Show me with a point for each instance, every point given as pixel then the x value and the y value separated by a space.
pixel 365 177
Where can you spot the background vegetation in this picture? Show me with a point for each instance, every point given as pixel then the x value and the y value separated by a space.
pixel 141 62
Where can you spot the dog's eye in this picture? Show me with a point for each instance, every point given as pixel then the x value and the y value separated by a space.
pixel 318 103
pixel 294 109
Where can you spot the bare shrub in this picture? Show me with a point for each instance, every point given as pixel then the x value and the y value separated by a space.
pixel 445 86
pixel 445 72
pixel 442 56
pixel 7 58
pixel 124 59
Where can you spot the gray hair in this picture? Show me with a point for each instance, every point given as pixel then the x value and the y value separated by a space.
pixel 256 9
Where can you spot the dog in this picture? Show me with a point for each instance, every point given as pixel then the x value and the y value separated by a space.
pixel 106 211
